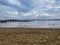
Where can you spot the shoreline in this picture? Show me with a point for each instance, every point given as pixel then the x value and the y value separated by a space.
pixel 31 28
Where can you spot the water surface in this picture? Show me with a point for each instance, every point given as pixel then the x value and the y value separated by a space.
pixel 32 24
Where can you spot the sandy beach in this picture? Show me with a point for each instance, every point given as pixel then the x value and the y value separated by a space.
pixel 29 36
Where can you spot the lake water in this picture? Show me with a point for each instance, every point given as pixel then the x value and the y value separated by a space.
pixel 32 24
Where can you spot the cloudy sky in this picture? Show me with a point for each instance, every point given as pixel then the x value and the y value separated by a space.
pixel 29 9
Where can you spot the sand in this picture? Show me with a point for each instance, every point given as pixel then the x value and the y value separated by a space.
pixel 29 36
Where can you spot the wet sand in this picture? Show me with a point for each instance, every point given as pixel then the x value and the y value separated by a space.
pixel 29 36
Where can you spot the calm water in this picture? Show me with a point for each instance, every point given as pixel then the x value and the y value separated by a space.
pixel 32 24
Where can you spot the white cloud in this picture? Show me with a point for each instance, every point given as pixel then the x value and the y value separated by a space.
pixel 12 12
pixel 40 8
pixel 46 14
pixel 15 2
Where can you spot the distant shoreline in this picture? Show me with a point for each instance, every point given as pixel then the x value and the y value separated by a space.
pixel 29 20
pixel 14 20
